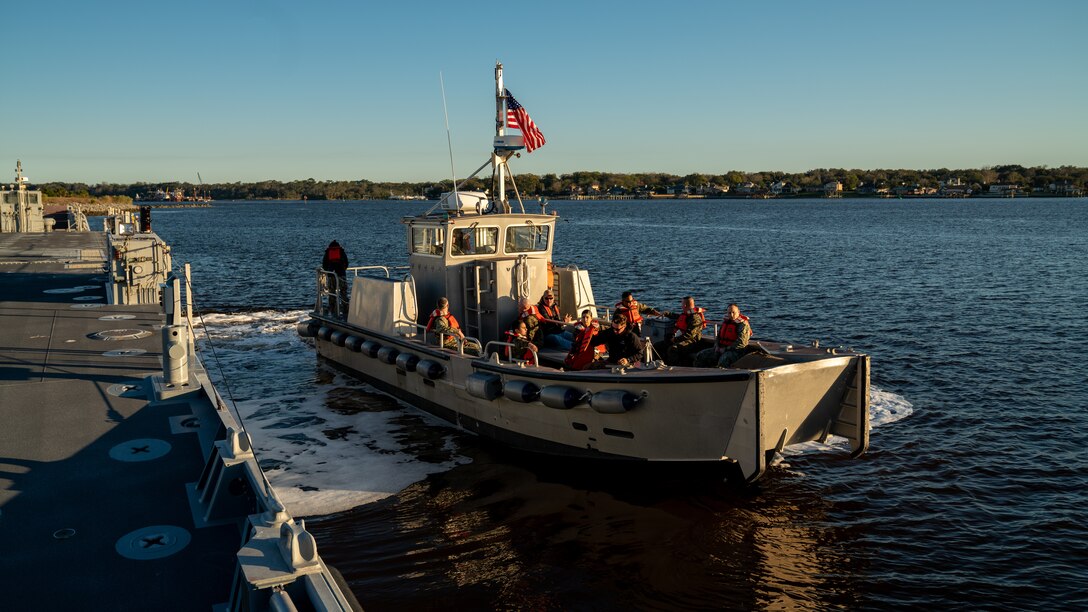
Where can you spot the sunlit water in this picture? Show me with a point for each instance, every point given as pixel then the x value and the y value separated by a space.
pixel 972 493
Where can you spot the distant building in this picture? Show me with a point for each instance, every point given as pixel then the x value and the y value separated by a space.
pixel 1065 188
pixel 833 188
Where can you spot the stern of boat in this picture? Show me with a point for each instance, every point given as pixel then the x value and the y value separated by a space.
pixel 802 402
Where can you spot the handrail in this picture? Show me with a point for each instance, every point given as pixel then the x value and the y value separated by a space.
pixel 461 341
pixel 511 359
pixel 607 310
pixel 324 291
pixel 357 269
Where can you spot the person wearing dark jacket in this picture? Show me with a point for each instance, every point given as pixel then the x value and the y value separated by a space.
pixel 624 347
pixel 336 261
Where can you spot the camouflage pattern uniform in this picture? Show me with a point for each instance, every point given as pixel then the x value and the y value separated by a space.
pixel 687 341
pixel 710 357
pixel 442 326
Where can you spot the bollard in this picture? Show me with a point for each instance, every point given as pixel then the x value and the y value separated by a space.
pixel 175 355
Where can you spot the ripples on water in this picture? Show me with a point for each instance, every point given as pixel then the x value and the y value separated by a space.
pixel 972 494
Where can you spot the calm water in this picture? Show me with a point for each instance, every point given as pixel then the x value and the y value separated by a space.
pixel 972 495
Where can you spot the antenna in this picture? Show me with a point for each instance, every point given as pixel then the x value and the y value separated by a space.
pixel 449 140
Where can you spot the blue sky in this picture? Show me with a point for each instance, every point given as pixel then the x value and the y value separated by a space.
pixel 248 90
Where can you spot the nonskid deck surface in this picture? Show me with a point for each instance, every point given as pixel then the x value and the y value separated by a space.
pixel 69 487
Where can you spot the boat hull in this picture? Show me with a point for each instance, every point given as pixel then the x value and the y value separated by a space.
pixel 738 417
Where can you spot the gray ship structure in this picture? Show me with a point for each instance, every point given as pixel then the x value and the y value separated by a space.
pixel 483 256
pixel 126 483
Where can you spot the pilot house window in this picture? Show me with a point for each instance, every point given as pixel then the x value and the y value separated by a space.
pixel 428 240
pixel 527 238
pixel 475 241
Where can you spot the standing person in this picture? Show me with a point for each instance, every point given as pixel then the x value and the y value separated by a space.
pixel 551 326
pixel 686 334
pixel 624 347
pixel 732 339
pixel 445 326
pixel 583 349
pixel 628 307
pixel 336 261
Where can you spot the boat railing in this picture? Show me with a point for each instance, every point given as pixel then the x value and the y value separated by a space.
pixel 357 269
pixel 331 294
pixel 607 310
pixel 333 290
pixel 509 352
pixel 462 342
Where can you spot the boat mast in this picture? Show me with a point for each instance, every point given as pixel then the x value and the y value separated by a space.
pixel 498 162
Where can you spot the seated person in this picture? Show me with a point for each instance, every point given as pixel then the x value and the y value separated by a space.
pixel 583 350
pixel 523 347
pixel 444 325
pixel 551 327
pixel 687 331
pixel 731 342
pixel 529 314
pixel 624 347
pixel 628 307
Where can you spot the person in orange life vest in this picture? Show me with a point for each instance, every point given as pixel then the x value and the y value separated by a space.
pixel 624 347
pixel 551 326
pixel 444 325
pixel 519 336
pixel 733 337
pixel 628 307
pixel 686 333
pixel 583 349
pixel 528 313
pixel 336 261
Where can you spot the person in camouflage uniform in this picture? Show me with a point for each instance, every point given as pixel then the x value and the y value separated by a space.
pixel 528 313
pixel 687 332
pixel 733 337
pixel 444 325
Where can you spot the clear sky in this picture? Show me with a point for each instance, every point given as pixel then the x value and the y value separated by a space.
pixel 248 90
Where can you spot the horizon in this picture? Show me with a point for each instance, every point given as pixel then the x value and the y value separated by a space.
pixel 267 93
pixel 680 175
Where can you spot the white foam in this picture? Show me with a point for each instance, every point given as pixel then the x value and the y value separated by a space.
pixel 884 408
pixel 319 459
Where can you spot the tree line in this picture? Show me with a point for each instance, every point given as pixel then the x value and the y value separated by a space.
pixel 560 185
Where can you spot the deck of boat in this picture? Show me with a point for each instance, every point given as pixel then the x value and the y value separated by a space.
pixel 71 484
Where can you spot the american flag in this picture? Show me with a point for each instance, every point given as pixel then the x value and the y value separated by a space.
pixel 518 117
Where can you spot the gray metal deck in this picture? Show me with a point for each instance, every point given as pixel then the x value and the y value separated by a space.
pixel 63 409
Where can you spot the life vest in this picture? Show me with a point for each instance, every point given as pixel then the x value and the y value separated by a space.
pixel 549 312
pixel 450 320
pixel 728 333
pixel 336 260
pixel 631 312
pixel 582 352
pixel 682 322
pixel 512 337
pixel 532 311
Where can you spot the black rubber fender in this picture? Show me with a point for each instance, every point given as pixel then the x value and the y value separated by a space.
pixel 484 385
pixel 406 362
pixel 430 369
pixel 562 397
pixel 614 401
pixel 521 391
pixel 388 354
pixel 307 329
pixel 371 348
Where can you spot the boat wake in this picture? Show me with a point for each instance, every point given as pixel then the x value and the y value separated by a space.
pixel 329 443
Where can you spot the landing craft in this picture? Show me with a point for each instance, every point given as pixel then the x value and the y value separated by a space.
pixel 476 251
